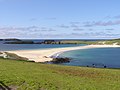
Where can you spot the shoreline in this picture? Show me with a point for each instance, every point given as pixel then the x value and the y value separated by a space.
pixel 44 55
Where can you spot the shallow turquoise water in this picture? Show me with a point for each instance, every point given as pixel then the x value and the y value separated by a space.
pixel 101 57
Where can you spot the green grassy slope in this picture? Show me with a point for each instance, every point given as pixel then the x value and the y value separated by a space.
pixel 35 76
pixel 76 42
pixel 109 42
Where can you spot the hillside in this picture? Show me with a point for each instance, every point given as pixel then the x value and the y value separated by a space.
pixel 23 75
pixel 107 42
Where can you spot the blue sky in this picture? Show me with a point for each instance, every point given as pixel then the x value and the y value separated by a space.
pixel 60 19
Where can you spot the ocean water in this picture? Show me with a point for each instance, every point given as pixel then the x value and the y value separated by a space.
pixel 100 57
pixel 10 47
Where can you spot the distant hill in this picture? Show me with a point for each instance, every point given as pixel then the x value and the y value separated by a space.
pixel 11 39
pixel 88 42
pixel 20 42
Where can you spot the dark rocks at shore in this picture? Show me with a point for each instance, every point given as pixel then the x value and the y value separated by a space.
pixel 60 60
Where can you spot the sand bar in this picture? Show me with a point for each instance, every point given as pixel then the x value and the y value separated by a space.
pixel 40 55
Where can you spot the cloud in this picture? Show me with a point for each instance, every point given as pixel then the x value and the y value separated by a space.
pixel 75 22
pixel 74 26
pixel 63 26
pixel 117 17
pixel 48 34
pixel 47 29
pixel 33 19
pixel 82 35
pixel 19 28
pixel 113 17
pixel 95 34
pixel 50 29
pixel 107 17
pixel 78 29
pixel 24 30
pixel 100 23
pixel 110 29
pixel 91 29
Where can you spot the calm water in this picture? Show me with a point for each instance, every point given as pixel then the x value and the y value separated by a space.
pixel 9 47
pixel 100 57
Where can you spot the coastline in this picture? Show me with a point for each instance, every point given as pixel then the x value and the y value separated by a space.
pixel 46 54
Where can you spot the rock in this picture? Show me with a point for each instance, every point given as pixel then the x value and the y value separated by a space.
pixel 61 60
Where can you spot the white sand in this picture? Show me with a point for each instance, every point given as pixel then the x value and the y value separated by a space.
pixel 39 55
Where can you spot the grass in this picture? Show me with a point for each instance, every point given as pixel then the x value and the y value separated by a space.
pixel 15 56
pixel 108 42
pixel 77 42
pixel 113 41
pixel 36 76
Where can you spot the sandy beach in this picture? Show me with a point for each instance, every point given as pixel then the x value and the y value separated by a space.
pixel 45 55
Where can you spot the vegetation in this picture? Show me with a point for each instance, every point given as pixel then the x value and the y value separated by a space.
pixel 117 41
pixel 15 56
pixel 22 75
pixel 108 42
pixel 76 42
pixel 11 56
pixel 11 39
pixel 20 42
pixel 48 41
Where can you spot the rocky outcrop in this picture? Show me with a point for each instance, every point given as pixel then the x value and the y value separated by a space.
pixel 61 60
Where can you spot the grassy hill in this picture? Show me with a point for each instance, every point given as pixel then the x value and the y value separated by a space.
pixel 108 42
pixel 113 41
pixel 23 75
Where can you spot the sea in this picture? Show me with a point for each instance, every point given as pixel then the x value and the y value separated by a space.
pixel 99 57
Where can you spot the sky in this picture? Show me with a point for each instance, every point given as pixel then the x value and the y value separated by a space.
pixel 60 19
